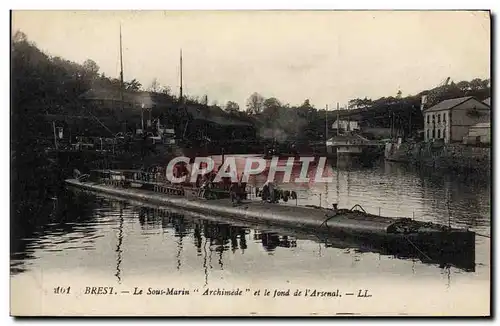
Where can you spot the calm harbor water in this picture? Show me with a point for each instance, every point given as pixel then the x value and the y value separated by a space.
pixel 116 242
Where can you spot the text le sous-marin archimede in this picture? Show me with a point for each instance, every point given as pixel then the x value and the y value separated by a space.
pixel 171 291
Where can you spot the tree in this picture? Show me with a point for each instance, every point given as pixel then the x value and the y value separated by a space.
pixel 476 84
pixel 359 103
pixel 273 115
pixel 91 67
pixel 305 110
pixel 133 85
pixel 155 86
pixel 19 37
pixel 166 90
pixel 306 105
pixel 271 104
pixel 115 83
pixel 232 107
pixel 464 86
pixel 255 103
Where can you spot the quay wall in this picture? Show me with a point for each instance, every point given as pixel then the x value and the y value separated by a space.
pixel 454 156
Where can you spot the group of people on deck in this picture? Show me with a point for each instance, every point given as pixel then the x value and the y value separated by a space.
pixel 207 180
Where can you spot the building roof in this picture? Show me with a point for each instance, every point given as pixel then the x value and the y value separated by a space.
pixel 448 104
pixel 139 98
pixel 487 101
pixel 482 125
pixel 352 138
pixel 214 114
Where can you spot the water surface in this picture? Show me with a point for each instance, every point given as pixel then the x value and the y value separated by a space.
pixel 119 243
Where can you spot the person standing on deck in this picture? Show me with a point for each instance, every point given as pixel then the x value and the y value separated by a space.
pixel 269 192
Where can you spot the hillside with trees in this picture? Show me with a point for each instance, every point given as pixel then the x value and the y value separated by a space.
pixel 42 84
pixel 305 122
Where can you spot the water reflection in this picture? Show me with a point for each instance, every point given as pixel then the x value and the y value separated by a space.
pixel 59 218
pixel 216 238
pixel 141 239
pixel 270 240
pixel 119 250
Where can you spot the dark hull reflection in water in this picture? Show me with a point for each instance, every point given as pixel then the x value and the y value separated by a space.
pixel 223 236
pixel 406 249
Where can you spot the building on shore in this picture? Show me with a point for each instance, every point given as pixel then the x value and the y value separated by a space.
pixel 131 110
pixel 451 119
pixel 487 101
pixel 345 125
pixel 352 144
pixel 479 134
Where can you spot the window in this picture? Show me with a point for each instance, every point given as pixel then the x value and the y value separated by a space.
pixel 433 133
pixel 444 117
pixel 428 133
pixel 439 133
pixel 433 118
pixel 439 119
pixel 428 119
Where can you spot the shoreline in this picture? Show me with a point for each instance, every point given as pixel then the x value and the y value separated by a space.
pixel 454 157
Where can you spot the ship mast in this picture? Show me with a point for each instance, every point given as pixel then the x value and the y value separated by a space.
pixel 180 91
pixel 121 69
pixel 326 122
pixel 338 118
pixel 181 98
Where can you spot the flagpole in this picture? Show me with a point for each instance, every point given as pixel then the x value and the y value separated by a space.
pixel 348 119
pixel 338 117
pixel 326 122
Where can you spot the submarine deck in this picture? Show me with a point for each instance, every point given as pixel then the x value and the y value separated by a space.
pixel 253 210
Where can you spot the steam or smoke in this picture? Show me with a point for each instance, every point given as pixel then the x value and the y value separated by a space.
pixel 144 99
pixel 282 125
pixel 273 133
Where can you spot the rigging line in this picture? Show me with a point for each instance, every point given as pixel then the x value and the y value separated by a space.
pixel 324 239
pixel 324 222
pixel 423 253
pixel 102 124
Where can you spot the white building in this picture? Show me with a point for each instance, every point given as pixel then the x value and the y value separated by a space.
pixel 346 125
pixel 451 119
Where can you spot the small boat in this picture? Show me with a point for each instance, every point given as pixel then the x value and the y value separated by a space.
pixel 395 234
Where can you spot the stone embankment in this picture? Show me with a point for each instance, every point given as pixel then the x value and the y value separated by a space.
pixel 438 155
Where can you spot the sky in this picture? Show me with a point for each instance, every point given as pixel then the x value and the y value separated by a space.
pixel 327 57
